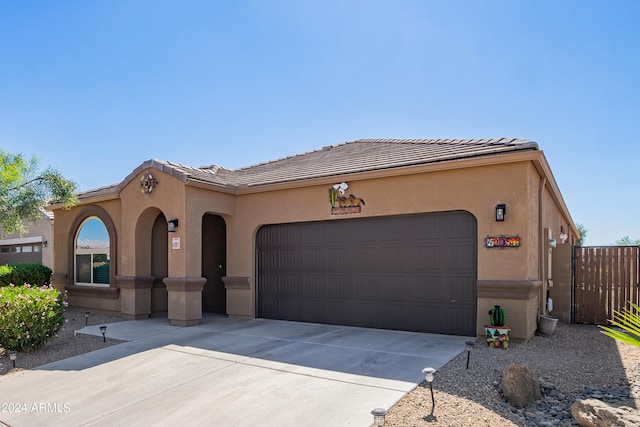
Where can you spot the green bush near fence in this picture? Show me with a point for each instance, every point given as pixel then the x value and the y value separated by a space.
pixel 35 274
pixel 30 316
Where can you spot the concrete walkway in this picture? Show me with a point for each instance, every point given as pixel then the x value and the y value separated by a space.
pixel 226 372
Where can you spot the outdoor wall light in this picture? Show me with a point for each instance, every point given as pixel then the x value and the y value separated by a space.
pixel 13 355
pixel 378 416
pixel 86 318
pixel 470 345
pixel 552 243
pixel 429 376
pixel 173 224
pixel 563 238
pixel 103 330
pixel 501 210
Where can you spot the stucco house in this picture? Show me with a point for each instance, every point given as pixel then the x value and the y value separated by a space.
pixel 36 245
pixel 418 235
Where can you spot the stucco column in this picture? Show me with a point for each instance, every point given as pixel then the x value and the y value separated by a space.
pixel 185 299
pixel 135 296
pixel 239 297
pixel 519 298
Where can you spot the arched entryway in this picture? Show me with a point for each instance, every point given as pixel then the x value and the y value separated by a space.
pixel 159 266
pixel 144 294
pixel 214 263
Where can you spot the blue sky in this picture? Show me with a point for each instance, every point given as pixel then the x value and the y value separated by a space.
pixel 95 88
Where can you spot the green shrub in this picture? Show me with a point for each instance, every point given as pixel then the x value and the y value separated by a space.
pixel 5 271
pixel 33 273
pixel 30 316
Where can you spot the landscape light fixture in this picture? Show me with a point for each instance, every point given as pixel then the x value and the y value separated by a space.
pixel 86 318
pixel 13 355
pixel 429 376
pixel 501 210
pixel 378 416
pixel 470 345
pixel 103 330
pixel 173 225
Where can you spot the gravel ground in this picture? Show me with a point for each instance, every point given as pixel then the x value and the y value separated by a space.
pixel 577 362
pixel 65 345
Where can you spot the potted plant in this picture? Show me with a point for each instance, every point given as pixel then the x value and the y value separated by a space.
pixel 497 333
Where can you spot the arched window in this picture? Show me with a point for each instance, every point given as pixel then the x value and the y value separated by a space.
pixel 92 253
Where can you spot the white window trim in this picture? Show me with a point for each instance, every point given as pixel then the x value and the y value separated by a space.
pixel 94 251
pixel 89 251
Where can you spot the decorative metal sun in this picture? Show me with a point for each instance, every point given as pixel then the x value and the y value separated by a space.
pixel 147 183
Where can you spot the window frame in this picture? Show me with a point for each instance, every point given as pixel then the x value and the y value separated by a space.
pixel 92 252
pixel 109 290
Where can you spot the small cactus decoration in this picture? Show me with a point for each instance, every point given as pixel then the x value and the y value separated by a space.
pixel 496 315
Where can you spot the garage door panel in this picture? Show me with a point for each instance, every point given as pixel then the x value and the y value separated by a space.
pixel 282 236
pixel 341 287
pixel 458 257
pixel 313 234
pixel 282 259
pixel 426 258
pixel 399 288
pixel 367 259
pixel 416 272
pixel 340 259
pixel 315 286
pixel 367 287
pixel 430 288
pixel 314 259
pixel 461 288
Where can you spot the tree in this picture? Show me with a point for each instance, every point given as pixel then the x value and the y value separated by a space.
pixel 25 190
pixel 583 234
pixel 627 241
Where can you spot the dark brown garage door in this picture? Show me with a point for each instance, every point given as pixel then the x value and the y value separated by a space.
pixel 410 272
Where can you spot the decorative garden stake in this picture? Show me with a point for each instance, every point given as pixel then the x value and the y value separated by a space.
pixel 429 376
pixel 86 318
pixel 13 355
pixel 103 329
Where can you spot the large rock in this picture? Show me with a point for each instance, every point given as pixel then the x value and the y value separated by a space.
pixel 519 386
pixel 596 413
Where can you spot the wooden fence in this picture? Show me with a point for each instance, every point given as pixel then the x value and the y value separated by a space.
pixel 605 280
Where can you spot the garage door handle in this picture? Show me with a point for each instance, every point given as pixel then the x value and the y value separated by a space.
pixel 453 300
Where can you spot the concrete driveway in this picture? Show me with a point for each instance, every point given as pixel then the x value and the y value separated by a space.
pixel 226 372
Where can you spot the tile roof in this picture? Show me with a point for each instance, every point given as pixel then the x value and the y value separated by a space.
pixel 374 154
pixel 97 192
pixel 350 157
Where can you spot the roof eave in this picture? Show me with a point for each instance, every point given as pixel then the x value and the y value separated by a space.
pixel 223 188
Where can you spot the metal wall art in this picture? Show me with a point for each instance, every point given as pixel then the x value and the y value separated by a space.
pixel 502 242
pixel 147 183
pixel 342 204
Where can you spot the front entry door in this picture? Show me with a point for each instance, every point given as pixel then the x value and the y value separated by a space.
pixel 214 262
